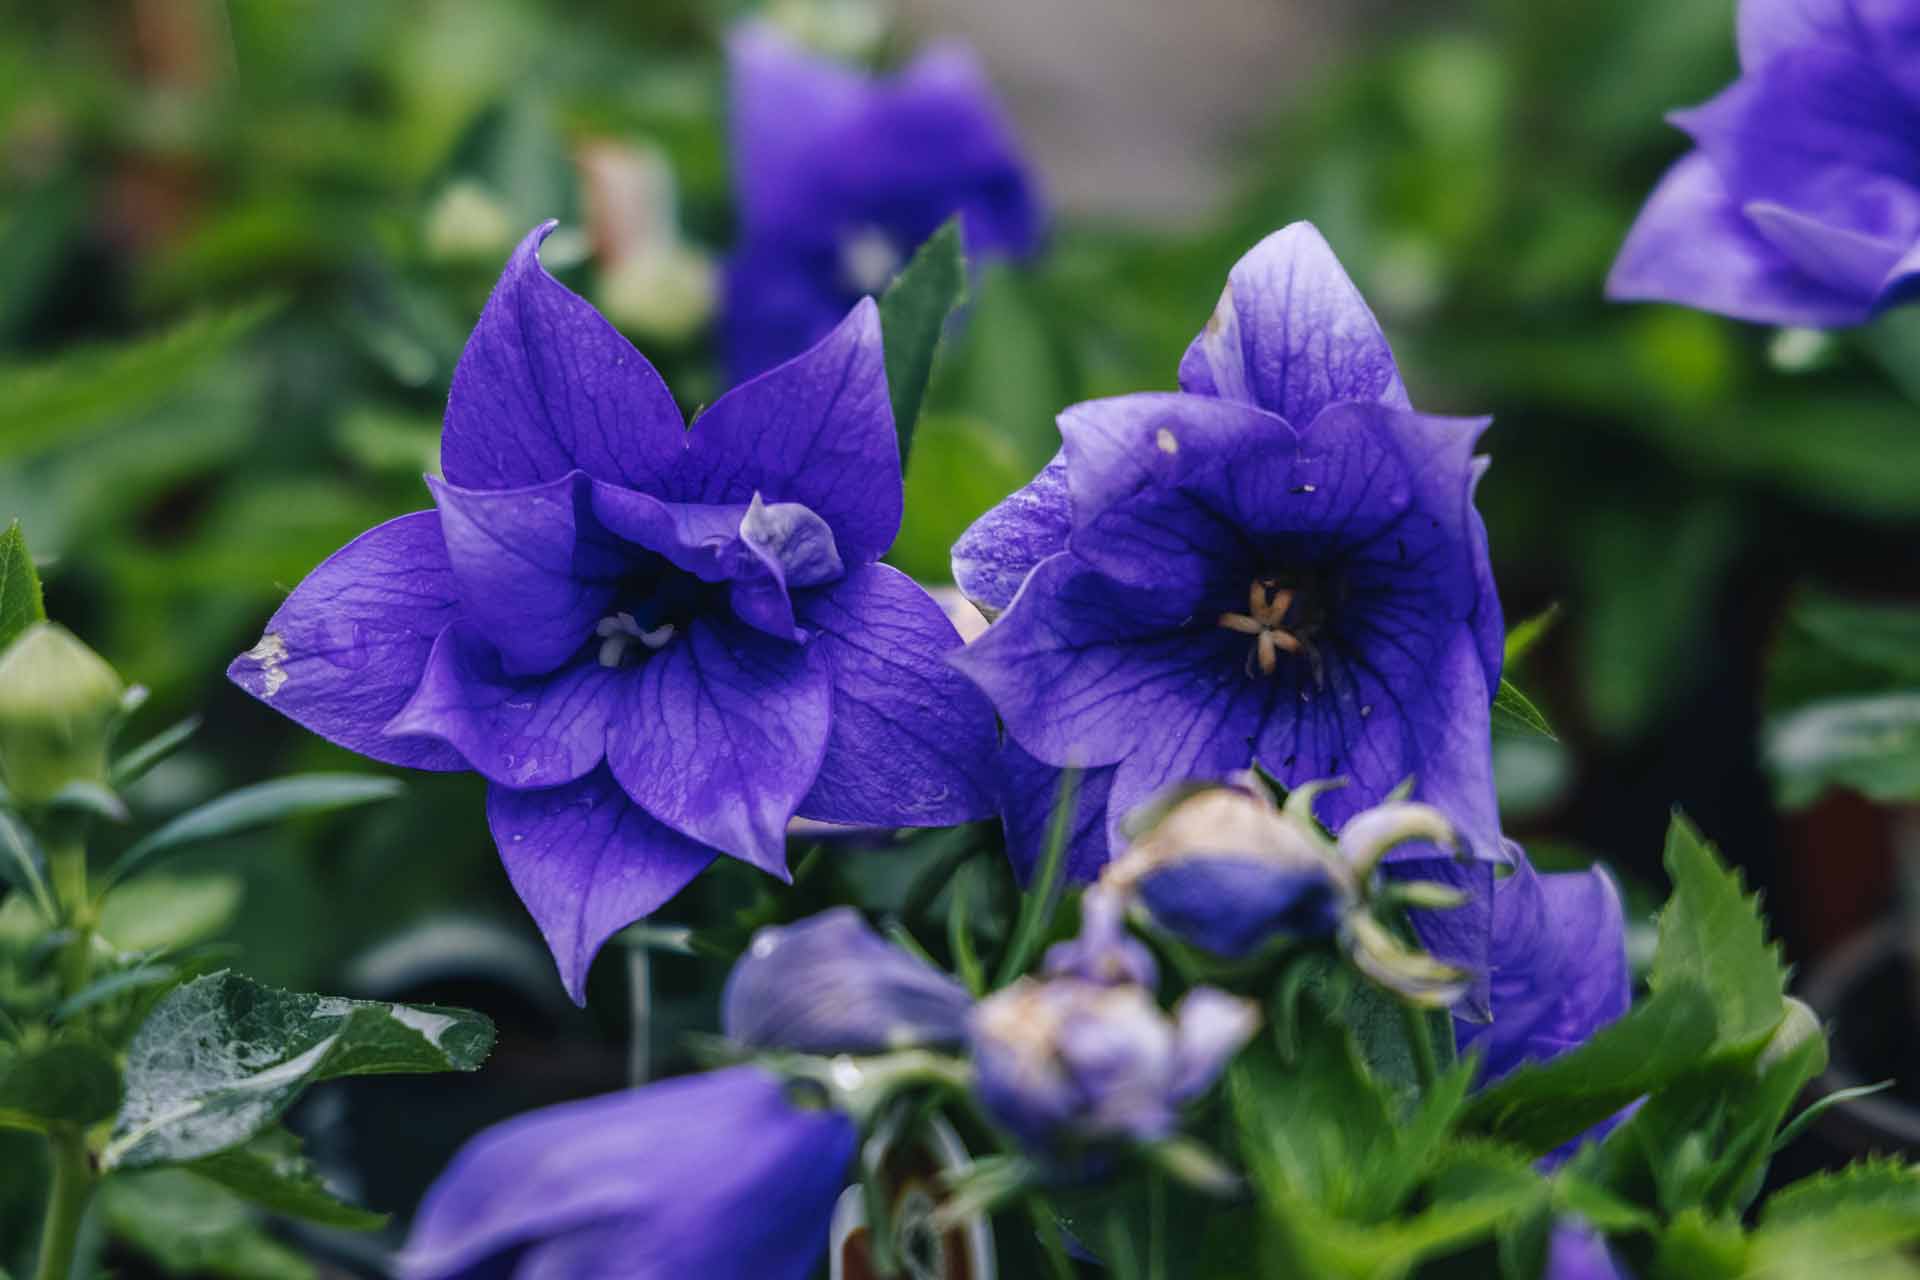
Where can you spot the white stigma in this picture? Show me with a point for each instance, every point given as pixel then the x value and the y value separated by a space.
pixel 868 259
pixel 617 631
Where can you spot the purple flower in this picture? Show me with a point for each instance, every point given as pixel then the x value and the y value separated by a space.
pixel 1103 951
pixel 1063 1063
pixel 715 1176
pixel 1800 203
pixel 1577 1253
pixel 657 644
pixel 828 984
pixel 840 176
pixel 1281 563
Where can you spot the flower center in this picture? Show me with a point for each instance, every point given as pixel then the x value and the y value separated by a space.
pixel 661 603
pixel 618 632
pixel 1269 605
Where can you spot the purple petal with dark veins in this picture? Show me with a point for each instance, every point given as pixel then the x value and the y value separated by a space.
pixel 715 1175
pixel 912 741
pixel 1292 335
pixel 535 573
pixel 722 735
pixel 519 731
pixel 829 984
pixel 997 551
pixel 817 430
pixel 547 386
pixel 345 651
pixel 587 862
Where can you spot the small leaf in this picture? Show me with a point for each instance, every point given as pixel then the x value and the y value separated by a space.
pixel 1541 1106
pixel 21 603
pixel 1880 1190
pixel 193 1227
pixel 1713 934
pixel 161 912
pixel 72 1080
pixel 137 978
pixel 221 1057
pixel 56 401
pixel 1514 711
pixel 273 1172
pixel 1525 635
pixel 133 766
pixel 913 312
pixel 1870 743
pixel 255 806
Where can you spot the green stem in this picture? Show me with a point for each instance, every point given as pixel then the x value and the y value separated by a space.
pixel 72 1188
pixel 1421 1040
pixel 67 864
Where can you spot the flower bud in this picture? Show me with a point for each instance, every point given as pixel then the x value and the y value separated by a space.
pixel 1799 1025
pixel 467 223
pixel 58 702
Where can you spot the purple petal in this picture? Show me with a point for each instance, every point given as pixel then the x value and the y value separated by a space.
pixel 1164 486
pixel 1233 905
pixel 535 574
pixel 343 654
pixel 1886 32
pixel 1694 246
pixel 519 731
pixel 587 862
pixel 1292 335
pixel 1029 792
pixel 997 552
pixel 718 1174
pixel 1488 620
pixel 1853 263
pixel 1210 1027
pixel 1084 670
pixel 1103 951
pixel 911 742
pixel 721 736
pixel 829 984
pixel 1461 936
pixel 785 105
pixel 817 430
pixel 547 386
pixel 1577 1252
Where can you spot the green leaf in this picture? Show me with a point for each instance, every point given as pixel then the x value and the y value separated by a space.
pixel 913 313
pixel 1697 1247
pixel 56 401
pixel 71 1080
pixel 21 603
pixel 1539 1107
pixel 220 1058
pixel 193 1227
pixel 1712 934
pixel 1873 1190
pixel 133 766
pixel 273 1172
pixel 1514 711
pixel 1870 743
pixel 1858 1222
pixel 962 467
pixel 159 912
pixel 1522 638
pixel 255 806
pixel 137 978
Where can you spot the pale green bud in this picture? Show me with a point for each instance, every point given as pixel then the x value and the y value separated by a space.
pixel 58 704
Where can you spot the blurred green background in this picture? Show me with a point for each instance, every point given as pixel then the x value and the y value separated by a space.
pixel 241 245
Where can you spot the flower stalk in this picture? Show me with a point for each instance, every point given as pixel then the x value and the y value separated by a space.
pixel 73 1180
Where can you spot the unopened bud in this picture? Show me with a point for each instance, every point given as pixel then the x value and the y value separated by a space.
pixel 58 703
pixel 1799 1025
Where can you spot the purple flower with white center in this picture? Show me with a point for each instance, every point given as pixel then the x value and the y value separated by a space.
pixel 658 644
pixel 716 1175
pixel 1282 562
pixel 1064 1064
pixel 840 176
pixel 828 984
pixel 1800 203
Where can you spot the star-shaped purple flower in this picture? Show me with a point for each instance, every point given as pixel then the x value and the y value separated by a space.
pixel 657 644
pixel 1280 563
pixel 1800 203
pixel 840 176
pixel 717 1175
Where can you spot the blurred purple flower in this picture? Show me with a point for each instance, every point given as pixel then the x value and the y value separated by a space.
pixel 828 984
pixel 1063 1063
pixel 1800 203
pixel 1283 563
pixel 840 176
pixel 718 1176
pixel 1103 951
pixel 1575 1252
pixel 657 645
